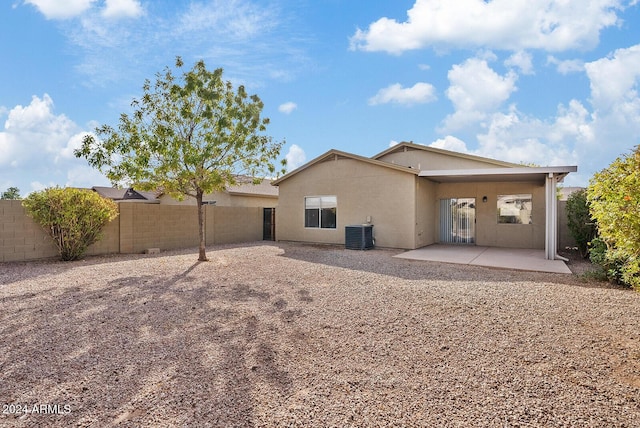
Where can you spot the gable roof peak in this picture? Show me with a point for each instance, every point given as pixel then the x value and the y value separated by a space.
pixel 335 154
pixel 407 146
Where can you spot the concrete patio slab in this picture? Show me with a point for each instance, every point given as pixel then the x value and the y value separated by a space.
pixel 505 258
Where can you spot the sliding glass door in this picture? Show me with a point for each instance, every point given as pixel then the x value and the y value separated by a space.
pixel 458 220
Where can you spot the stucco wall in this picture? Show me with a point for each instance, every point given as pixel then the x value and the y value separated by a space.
pixel 488 231
pixel 426 211
pixel 362 189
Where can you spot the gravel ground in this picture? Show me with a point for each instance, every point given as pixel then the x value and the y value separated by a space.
pixel 299 335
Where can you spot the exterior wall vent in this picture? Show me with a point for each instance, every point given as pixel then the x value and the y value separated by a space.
pixel 359 237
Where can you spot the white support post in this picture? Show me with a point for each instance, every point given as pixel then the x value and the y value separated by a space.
pixel 551 221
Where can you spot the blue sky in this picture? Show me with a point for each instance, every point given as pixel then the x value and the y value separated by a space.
pixel 544 82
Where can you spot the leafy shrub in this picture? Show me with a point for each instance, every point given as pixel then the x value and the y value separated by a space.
pixel 581 226
pixel 611 267
pixel 73 217
pixel 614 201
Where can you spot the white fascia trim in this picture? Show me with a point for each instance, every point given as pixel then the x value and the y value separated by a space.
pixel 499 171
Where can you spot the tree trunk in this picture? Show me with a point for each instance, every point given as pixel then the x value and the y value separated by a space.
pixel 202 257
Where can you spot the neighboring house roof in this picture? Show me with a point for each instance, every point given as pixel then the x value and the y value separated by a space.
pixel 336 154
pixel 245 187
pixel 404 146
pixel 129 194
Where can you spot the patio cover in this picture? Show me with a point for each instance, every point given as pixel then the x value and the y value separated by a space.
pixel 550 176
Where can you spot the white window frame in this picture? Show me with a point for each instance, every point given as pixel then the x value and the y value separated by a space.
pixel 323 202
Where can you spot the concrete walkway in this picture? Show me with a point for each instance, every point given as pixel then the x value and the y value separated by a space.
pixel 507 258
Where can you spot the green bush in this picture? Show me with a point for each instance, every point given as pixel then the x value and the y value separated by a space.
pixel 581 226
pixel 611 267
pixel 614 201
pixel 73 217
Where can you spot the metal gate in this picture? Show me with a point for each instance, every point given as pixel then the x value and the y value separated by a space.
pixel 458 221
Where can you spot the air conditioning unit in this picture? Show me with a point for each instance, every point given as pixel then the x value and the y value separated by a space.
pixel 358 237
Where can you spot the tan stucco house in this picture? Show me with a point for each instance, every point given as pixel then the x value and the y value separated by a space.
pixel 416 195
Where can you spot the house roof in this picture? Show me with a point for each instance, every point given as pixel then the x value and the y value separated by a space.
pixel 337 154
pixel 504 171
pixel 404 146
pixel 129 194
pixel 245 187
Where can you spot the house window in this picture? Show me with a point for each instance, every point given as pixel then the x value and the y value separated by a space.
pixel 320 211
pixel 515 209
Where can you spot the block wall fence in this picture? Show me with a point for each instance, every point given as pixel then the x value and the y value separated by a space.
pixel 564 236
pixel 137 228
pixel 143 226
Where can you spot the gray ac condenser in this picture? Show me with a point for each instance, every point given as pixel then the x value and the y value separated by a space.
pixel 358 237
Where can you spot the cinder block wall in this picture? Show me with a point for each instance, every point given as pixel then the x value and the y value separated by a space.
pixel 233 224
pixel 21 238
pixel 564 237
pixel 137 228
pixel 166 227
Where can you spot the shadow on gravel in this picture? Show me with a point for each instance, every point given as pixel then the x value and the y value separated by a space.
pixel 143 350
pixel 12 271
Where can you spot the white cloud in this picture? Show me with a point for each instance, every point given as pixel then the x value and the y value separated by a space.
pixel 237 19
pixel 85 176
pixel 66 9
pixel 565 67
pixel 499 24
pixel 33 131
pixel 36 146
pixel 419 93
pixel 74 142
pixel 122 9
pixel 295 157
pixel 288 107
pixel 615 101
pixel 615 79
pixel 578 134
pixel 521 60
pixel 450 143
pixel 513 137
pixel 250 42
pixel 61 9
pixel 393 143
pixel 572 123
pixel 475 91
pixel 36 186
